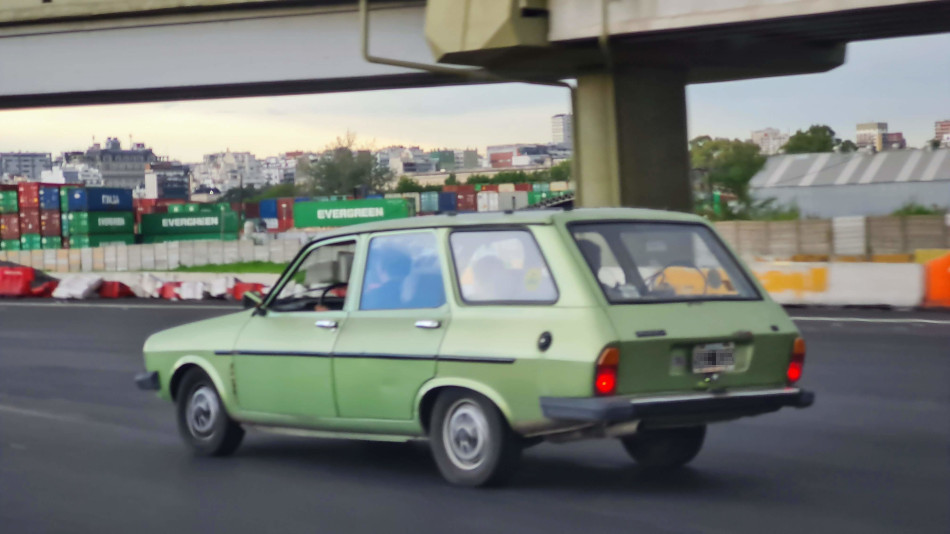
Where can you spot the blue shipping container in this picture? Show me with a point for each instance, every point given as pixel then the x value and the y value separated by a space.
pixel 49 198
pixel 269 208
pixel 100 199
pixel 374 196
pixel 302 199
pixel 448 201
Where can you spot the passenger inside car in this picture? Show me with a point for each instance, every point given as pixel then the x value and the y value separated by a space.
pixel 388 267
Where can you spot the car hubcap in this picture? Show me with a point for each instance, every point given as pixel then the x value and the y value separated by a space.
pixel 202 412
pixel 465 435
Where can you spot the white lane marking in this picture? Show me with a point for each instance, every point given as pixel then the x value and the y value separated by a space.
pixel 42 415
pixel 866 320
pixel 170 306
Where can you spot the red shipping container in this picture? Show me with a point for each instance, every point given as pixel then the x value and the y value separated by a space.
pixel 285 209
pixel 489 187
pixel 465 188
pixel 450 189
pixel 29 221
pixel 28 195
pixel 7 187
pixel 252 210
pixel 10 226
pixel 523 187
pixel 169 201
pixel 467 201
pixel 50 225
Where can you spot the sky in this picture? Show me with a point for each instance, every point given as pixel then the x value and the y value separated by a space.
pixel 904 82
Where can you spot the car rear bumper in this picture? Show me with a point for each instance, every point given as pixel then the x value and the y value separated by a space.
pixel 148 381
pixel 718 405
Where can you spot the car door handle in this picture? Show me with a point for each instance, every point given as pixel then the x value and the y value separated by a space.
pixel 326 323
pixel 428 324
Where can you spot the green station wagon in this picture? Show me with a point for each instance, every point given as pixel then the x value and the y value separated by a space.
pixel 488 333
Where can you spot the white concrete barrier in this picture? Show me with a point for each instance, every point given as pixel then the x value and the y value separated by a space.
pixel 843 284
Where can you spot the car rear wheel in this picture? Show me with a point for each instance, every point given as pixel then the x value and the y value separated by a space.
pixel 202 420
pixel 665 448
pixel 471 441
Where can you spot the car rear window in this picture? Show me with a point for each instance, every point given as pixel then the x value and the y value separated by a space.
pixel 650 262
pixel 501 266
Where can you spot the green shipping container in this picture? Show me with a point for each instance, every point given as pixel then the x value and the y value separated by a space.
pixel 64 224
pixel 8 202
pixel 98 240
pixel 52 242
pixel 184 208
pixel 10 244
pixel 64 198
pixel 100 222
pixel 344 213
pixel 159 238
pixel 31 242
pixel 189 223
pixel 219 208
pixel 534 197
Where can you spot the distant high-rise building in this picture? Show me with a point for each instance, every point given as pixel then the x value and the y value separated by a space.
pixel 120 167
pixel 871 134
pixel 562 129
pixel 29 165
pixel 770 140
pixel 942 132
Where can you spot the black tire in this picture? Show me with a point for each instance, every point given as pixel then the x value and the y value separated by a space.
pixel 207 430
pixel 664 449
pixel 496 452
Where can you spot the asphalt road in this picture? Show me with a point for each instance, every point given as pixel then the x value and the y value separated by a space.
pixel 83 451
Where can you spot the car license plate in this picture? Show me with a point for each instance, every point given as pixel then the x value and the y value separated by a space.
pixel 714 357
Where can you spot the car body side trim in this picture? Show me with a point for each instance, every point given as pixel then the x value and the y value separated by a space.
pixel 302 354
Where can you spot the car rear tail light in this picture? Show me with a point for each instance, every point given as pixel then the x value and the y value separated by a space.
pixel 797 362
pixel 605 375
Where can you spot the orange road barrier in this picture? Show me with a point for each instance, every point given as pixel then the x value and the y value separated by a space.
pixel 937 294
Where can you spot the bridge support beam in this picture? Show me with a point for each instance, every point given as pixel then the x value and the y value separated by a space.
pixel 632 140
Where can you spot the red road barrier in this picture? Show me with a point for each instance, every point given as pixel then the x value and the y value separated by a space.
pixel 240 288
pixel 16 281
pixel 115 290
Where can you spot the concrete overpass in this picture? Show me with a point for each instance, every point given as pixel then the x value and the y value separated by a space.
pixel 631 58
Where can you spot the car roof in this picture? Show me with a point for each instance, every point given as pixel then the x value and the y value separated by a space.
pixel 507 218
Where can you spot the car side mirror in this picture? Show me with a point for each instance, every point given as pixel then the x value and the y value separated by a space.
pixel 251 299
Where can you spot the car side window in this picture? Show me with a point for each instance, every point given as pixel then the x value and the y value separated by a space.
pixel 403 272
pixel 501 266
pixel 320 281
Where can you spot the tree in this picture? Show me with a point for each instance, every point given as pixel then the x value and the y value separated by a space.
pixel 478 179
pixel 344 169
pixel 561 172
pixel 451 180
pixel 847 146
pixel 818 138
pixel 276 191
pixel 727 164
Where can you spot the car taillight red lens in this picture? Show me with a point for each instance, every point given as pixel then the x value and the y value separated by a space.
pixel 797 362
pixel 605 376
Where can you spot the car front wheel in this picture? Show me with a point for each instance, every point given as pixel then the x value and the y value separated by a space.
pixel 471 440
pixel 665 448
pixel 202 420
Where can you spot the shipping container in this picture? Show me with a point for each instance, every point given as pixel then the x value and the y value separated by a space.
pixel 278 225
pixel 100 222
pixel 323 214
pixel 8 202
pixel 277 208
pixel 523 187
pixel 184 208
pixel 540 186
pixel 49 198
pixel 100 199
pixel 31 242
pixel 64 193
pixel 414 199
pixel 48 242
pixel 448 202
pixel 50 224
pixel 10 226
pixel 252 210
pixel 190 223
pixel 373 197
pixel 512 200
pixel 158 238
pixel 99 240
pixel 506 188
pixel 28 195
pixel 466 201
pixel 559 186
pixel 220 207
pixel 489 187
pixel 170 201
pixel 429 202
pixel 64 224
pixel 10 244
pixel 465 188
pixel 272 225
pixel 487 201
pixel 29 221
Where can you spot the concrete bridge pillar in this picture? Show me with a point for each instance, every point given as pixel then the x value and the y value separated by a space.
pixel 632 140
